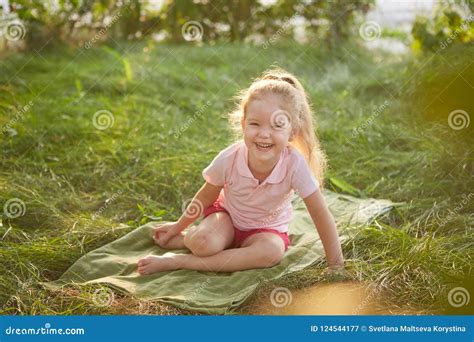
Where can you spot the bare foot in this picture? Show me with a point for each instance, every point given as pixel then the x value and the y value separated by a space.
pixel 154 263
pixel 176 242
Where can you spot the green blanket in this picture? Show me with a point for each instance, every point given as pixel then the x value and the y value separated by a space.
pixel 213 293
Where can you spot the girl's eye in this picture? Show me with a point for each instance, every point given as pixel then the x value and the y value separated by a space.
pixel 253 124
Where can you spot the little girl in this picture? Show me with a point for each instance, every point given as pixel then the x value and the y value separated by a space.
pixel 246 199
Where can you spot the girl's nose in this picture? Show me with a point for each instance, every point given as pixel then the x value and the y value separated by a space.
pixel 264 132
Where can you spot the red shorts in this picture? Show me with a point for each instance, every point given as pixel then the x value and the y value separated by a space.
pixel 241 235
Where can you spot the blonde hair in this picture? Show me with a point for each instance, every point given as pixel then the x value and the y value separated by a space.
pixel 282 83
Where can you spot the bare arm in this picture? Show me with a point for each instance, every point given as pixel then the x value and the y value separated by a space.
pixel 326 226
pixel 206 196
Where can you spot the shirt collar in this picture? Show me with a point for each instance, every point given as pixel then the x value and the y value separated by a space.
pixel 276 176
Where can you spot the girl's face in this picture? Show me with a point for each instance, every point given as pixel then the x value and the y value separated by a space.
pixel 267 129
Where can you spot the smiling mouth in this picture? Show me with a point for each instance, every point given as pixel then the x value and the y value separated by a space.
pixel 264 147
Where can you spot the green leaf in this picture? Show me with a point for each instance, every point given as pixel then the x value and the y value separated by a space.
pixel 142 210
pixel 126 64
pixel 128 69
pixel 161 212
pixel 153 217
pixel 344 186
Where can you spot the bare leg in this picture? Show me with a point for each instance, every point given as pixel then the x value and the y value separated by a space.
pixel 212 235
pixel 259 251
pixel 176 242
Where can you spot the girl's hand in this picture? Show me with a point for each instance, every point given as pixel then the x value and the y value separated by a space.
pixel 162 233
pixel 336 273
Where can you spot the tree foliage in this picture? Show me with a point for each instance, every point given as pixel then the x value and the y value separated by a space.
pixel 227 20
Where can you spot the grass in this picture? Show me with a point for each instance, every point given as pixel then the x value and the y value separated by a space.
pixel 83 187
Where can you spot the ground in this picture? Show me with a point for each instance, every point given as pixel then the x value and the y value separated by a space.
pixel 166 108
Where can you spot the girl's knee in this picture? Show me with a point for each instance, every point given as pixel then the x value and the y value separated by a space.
pixel 201 245
pixel 272 251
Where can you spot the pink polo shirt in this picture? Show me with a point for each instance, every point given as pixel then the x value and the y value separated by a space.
pixel 266 205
